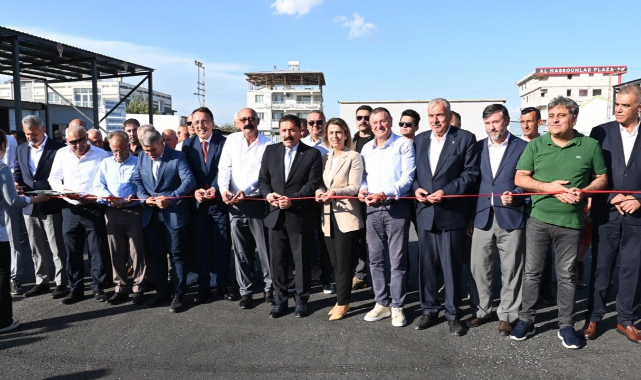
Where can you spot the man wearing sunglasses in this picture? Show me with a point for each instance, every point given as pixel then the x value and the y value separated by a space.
pixel 316 126
pixel 74 169
pixel 409 123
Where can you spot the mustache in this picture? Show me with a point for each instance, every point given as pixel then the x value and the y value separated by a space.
pixel 248 126
pixel 288 139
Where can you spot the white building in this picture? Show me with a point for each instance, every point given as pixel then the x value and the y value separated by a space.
pixel 581 84
pixel 276 93
pixel 471 112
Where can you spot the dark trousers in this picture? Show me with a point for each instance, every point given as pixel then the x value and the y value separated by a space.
pixel 340 247
pixel 163 240
pixel 286 244
pixel 6 311
pixel 211 226
pixel 80 224
pixel 360 271
pixel 444 249
pixel 614 238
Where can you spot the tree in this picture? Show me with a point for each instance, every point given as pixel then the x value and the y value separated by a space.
pixel 140 105
pixel 227 127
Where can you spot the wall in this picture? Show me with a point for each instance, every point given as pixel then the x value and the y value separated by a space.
pixel 161 122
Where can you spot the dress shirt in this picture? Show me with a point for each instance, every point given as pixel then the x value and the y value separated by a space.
pixel 320 145
pixel 239 164
pixel 179 146
pixel 69 172
pixel 35 154
pixel 628 139
pixel 390 168
pixel 114 178
pixel 290 153
pixel 435 149
pixel 155 165
pixel 496 153
pixel 10 155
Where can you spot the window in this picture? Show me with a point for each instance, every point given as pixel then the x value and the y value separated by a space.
pixel 302 116
pixel 543 94
pixel 261 115
pixel 277 115
pixel 258 98
pixel 596 92
pixel 83 97
pixel 583 92
pixel 53 98
pixel 568 93
pixel 304 99
pixel 569 76
pixel 278 99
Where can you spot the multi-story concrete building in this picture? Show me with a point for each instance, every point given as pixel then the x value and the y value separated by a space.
pixel 590 84
pixel 276 93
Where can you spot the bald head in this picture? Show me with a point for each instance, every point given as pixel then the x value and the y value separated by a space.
pixel 170 138
pixel 78 123
pixel 183 133
pixel 95 138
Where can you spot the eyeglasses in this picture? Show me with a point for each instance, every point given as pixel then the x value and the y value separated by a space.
pixel 77 141
pixel 248 119
pixel 319 123
pixel 405 125
pixel 359 118
pixel 189 123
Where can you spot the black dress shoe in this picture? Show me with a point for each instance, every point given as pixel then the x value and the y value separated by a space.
pixel 226 294
pixel 156 301
pixel 301 309
pixel 202 296
pixel 476 322
pixel 246 301
pixel 269 297
pixel 176 304
pixel 73 297
pixel 37 290
pixel 99 295
pixel 424 322
pixel 139 297
pixel 278 311
pixel 59 292
pixel 456 328
pixel 118 298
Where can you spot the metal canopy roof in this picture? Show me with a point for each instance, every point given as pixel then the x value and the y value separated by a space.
pixel 41 59
pixel 286 77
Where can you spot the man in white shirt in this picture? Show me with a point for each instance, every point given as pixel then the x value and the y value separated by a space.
pixel 316 126
pixel 74 169
pixel 388 174
pixel 238 170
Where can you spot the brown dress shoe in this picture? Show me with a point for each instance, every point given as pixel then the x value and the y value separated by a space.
pixel 505 328
pixel 476 322
pixel 630 332
pixel 590 330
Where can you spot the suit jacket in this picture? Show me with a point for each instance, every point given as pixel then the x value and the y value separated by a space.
pixel 456 172
pixel 303 180
pixel 620 175
pixel 39 181
pixel 345 181
pixel 206 174
pixel 508 217
pixel 174 179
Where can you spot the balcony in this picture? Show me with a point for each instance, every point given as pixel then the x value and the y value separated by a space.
pixel 302 105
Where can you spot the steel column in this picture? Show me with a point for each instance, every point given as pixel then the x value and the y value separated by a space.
pixel 94 91
pixel 150 99
pixel 17 93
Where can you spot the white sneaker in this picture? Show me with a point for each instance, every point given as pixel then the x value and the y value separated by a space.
pixel 377 313
pixel 398 317
pixel 14 324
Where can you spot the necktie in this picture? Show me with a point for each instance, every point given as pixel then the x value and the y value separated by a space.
pixel 205 151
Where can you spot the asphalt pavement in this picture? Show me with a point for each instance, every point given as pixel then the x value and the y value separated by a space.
pixel 93 340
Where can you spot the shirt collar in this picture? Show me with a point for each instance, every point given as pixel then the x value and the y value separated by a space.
pixel 433 135
pixel 208 140
pixel 504 143
pixel 42 144
pixel 626 133
pixel 295 149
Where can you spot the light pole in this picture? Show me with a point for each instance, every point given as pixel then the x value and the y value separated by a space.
pixel 200 85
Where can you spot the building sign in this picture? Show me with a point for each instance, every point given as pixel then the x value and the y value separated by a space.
pixel 581 70
pixel 117 117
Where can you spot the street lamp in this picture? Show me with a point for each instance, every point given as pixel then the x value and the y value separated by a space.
pixel 200 86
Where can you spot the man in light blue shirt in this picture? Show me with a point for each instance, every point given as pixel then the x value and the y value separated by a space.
pixel 123 217
pixel 388 175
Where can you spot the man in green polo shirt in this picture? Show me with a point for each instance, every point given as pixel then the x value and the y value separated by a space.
pixel 566 162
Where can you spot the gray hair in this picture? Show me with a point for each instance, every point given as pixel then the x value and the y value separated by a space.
pixel 235 116
pixel 436 101
pixel 122 134
pixel 628 89
pixel 150 137
pixel 75 128
pixel 562 101
pixel 32 120
pixel 145 128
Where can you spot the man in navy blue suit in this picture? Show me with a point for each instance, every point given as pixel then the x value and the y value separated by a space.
pixel 161 174
pixel 617 219
pixel 499 224
pixel 211 222
pixel 446 164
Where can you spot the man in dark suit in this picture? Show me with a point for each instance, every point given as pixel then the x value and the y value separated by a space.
pixel 617 219
pixel 160 175
pixel 211 223
pixel 499 224
pixel 290 170
pixel 44 221
pixel 446 164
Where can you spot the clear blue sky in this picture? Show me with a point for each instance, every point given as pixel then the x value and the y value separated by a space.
pixel 368 50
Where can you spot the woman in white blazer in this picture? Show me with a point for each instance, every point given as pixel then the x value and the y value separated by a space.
pixel 342 218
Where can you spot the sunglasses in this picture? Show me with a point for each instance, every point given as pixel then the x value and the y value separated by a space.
pixel 248 119
pixel 405 125
pixel 359 118
pixel 78 141
pixel 189 123
pixel 318 123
